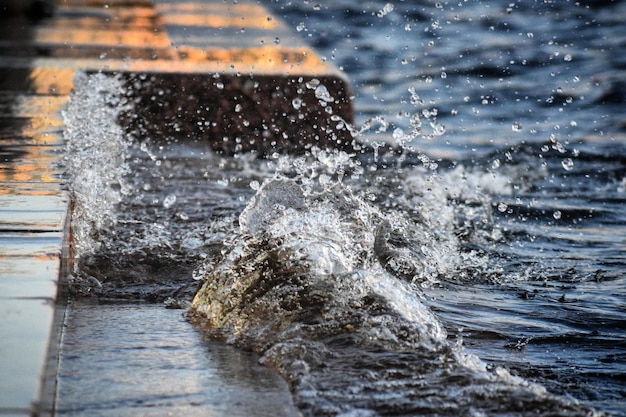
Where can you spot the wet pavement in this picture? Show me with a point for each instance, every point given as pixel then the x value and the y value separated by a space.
pixel 171 41
pixel 33 218
pixel 145 360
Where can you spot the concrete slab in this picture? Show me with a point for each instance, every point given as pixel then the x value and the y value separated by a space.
pixel 143 360
pixel 25 329
pixel 21 243
pixel 32 213
pixel 32 188
pixel 28 277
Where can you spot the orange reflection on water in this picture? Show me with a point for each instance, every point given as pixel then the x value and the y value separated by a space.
pixel 217 15
pixel 91 28
pixel 32 143
pixel 92 37
pixel 57 81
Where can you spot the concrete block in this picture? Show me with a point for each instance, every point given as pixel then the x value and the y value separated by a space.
pixel 34 213
pixel 25 329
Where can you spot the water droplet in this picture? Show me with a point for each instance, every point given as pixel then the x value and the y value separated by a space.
pixel 220 86
pixel 312 84
pixel 398 134
pixel 567 57
pixel 502 207
pixel 238 108
pixel 438 129
pixel 568 164
pixel 416 120
pixel 393 264
pixel 169 201
pixel 556 214
pixel 277 40
pixel 516 126
pixel 301 26
pixel 321 93
pixel 324 179
pixel 387 8
pixel 198 274
pixel 559 147
pixel 255 185
pixel 415 99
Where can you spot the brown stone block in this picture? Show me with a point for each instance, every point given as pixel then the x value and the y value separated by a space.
pixel 241 113
pixel 89 51
pixel 260 60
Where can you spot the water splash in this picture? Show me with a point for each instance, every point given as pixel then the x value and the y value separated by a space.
pixel 313 283
pixel 95 157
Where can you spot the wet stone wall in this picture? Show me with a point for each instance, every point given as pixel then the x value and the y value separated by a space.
pixel 241 113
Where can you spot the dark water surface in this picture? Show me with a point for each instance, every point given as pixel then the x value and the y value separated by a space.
pixel 421 282
pixel 535 91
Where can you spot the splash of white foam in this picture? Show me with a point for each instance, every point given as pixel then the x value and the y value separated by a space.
pixel 95 157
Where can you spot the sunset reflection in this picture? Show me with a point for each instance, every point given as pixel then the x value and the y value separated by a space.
pixel 37 69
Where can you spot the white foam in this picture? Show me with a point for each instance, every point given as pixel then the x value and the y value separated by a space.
pixel 95 156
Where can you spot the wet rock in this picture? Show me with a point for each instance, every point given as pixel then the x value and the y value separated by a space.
pixel 348 336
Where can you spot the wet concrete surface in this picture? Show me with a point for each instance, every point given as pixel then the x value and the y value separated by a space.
pixel 129 359
pixel 33 214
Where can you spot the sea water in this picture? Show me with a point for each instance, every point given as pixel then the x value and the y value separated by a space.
pixel 478 269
